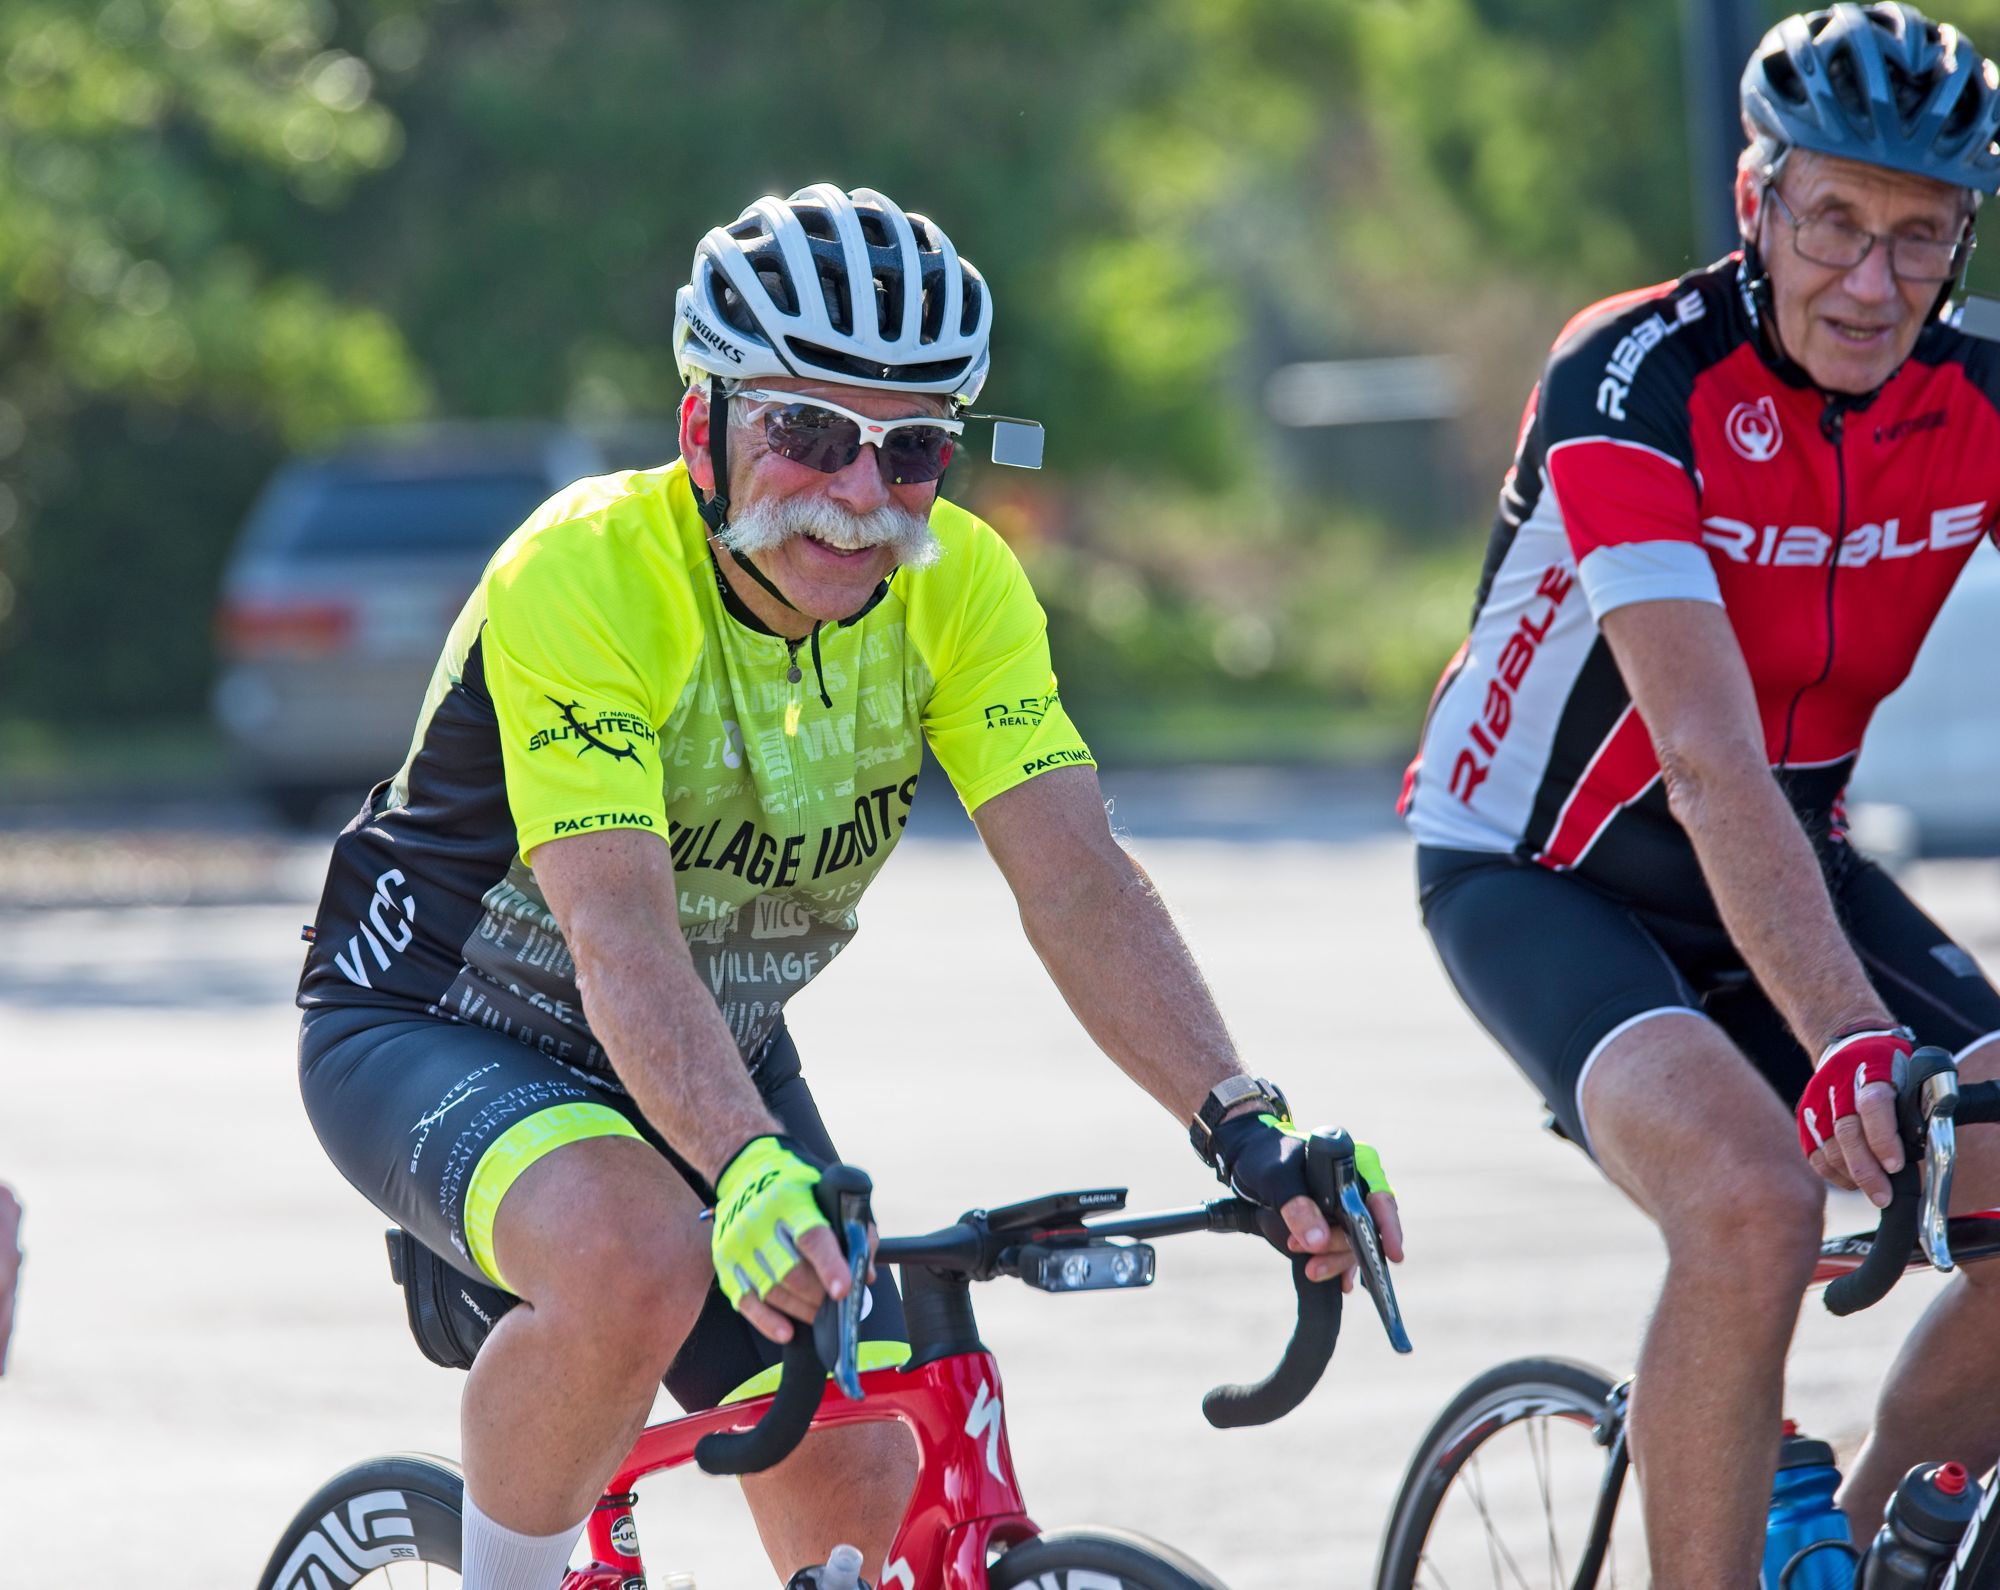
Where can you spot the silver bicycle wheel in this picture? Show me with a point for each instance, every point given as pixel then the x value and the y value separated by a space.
pixel 1504 1488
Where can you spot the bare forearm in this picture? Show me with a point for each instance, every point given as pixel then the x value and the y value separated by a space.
pixel 1766 883
pixel 1112 949
pixel 668 1043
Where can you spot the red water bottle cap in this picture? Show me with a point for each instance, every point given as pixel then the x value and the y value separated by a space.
pixel 1950 1478
pixel 1791 1427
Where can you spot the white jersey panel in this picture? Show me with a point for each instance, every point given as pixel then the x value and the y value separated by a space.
pixel 1486 746
pixel 1648 571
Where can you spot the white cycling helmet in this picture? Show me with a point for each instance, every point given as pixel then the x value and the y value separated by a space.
pixel 835 286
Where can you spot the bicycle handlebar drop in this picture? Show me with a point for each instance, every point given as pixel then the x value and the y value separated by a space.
pixel 1057 1244
pixel 1929 1101
pixel 1334 1183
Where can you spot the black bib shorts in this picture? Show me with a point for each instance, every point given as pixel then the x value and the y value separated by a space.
pixel 409 1108
pixel 1554 967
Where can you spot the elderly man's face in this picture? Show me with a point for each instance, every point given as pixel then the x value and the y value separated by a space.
pixel 1849 328
pixel 825 540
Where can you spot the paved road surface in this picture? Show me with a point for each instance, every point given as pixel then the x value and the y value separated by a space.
pixel 207 1329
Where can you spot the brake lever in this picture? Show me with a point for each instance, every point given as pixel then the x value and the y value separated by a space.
pixel 847 1360
pixel 1330 1154
pixel 843 1196
pixel 1940 1105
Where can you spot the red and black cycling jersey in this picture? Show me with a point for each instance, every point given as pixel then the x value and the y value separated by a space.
pixel 1665 454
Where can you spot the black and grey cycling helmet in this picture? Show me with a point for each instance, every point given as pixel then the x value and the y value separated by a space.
pixel 1881 84
pixel 835 286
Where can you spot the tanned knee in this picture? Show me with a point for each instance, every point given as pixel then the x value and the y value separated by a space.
pixel 631 1297
pixel 1764 1221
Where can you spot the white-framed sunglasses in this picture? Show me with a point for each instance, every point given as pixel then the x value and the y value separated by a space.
pixel 825 436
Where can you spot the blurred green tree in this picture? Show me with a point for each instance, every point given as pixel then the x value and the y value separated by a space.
pixel 153 350
pixel 229 227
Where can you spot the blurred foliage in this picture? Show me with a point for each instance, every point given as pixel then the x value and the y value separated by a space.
pixel 156 348
pixel 229 228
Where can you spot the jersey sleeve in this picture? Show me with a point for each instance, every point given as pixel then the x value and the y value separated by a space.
pixel 1619 456
pixel 568 623
pixel 993 715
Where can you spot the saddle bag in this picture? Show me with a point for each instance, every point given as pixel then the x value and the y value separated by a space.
pixel 450 1314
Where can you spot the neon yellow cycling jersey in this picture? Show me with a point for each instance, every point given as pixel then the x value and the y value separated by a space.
pixel 598 679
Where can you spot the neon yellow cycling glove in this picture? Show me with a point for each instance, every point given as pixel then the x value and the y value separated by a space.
pixel 763 1204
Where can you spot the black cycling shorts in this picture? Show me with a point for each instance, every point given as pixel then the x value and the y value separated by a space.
pixel 417 1112
pixel 1555 967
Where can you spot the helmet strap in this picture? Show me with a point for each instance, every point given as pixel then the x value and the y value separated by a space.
pixel 714 509
pixel 1757 294
pixel 759 576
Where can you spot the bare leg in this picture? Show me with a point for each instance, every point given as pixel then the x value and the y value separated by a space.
pixel 601 1240
pixel 1685 1126
pixel 1941 1399
pixel 850 1484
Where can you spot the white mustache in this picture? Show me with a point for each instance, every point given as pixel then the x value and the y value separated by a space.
pixel 765 526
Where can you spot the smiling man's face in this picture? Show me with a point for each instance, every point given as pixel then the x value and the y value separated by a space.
pixel 1849 329
pixel 826 540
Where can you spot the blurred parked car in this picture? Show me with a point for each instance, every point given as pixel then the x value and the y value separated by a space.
pixel 1930 768
pixel 351 567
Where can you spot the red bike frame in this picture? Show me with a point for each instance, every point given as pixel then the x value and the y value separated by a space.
pixel 966 1504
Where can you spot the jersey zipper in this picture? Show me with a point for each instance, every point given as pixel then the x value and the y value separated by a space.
pixel 1833 426
pixel 795 677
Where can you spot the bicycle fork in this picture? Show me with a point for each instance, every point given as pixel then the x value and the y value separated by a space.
pixel 1609 1432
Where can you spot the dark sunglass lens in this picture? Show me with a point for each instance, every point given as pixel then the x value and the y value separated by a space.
pixel 813 437
pixel 916 454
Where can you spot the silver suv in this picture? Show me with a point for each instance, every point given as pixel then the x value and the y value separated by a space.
pixel 351 567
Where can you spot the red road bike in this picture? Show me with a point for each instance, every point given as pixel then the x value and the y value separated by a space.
pixel 394 1521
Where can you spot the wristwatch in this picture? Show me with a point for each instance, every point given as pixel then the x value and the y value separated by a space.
pixel 1224 1097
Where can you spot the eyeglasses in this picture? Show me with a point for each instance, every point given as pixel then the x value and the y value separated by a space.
pixel 1828 240
pixel 826 437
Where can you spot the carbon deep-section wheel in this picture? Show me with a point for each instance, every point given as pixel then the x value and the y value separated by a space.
pixel 1098 1559
pixel 1504 1487
pixel 391 1523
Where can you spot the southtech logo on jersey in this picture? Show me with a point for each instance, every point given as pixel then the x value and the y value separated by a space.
pixel 1809 546
pixel 592 733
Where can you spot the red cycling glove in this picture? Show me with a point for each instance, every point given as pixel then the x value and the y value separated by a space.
pixel 1851 1062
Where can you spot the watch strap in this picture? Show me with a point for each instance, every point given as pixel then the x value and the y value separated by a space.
pixel 1224 1097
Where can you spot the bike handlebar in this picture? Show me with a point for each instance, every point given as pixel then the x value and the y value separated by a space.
pixel 1928 1102
pixel 842 1194
pixel 978 1249
pixel 1869 1282
pixel 1313 1337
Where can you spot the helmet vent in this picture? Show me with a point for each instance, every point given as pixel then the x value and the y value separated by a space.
pixel 779 286
pixel 1784 78
pixel 833 292
pixel 888 305
pixel 833 361
pixel 735 312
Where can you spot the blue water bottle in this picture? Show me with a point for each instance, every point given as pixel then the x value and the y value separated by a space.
pixel 1806 1541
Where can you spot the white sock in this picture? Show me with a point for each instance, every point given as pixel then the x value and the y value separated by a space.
pixel 498 1558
